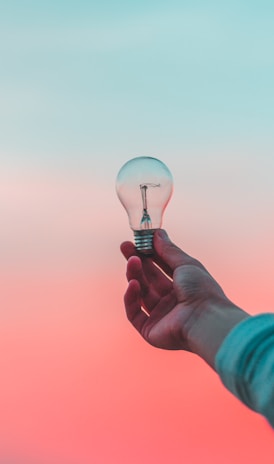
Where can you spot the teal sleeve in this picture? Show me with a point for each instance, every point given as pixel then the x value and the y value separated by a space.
pixel 245 363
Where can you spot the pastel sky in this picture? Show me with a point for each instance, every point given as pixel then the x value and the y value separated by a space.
pixel 85 86
pixel 92 80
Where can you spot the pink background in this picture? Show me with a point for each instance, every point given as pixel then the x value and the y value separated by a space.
pixel 78 384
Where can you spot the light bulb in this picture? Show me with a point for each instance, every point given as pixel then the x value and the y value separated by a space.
pixel 144 186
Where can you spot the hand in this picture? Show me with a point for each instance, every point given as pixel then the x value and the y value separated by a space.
pixel 174 302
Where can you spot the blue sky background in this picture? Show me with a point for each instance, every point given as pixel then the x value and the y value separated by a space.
pixel 83 82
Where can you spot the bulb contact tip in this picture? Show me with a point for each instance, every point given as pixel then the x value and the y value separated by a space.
pixel 144 241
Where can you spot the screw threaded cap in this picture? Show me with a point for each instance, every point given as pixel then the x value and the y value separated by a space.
pixel 144 241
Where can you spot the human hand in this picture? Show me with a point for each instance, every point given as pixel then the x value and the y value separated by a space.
pixel 174 302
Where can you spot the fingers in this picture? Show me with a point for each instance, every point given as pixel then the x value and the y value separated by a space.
pixel 148 292
pixel 166 254
pixel 170 256
pixel 162 284
pixel 153 275
pixel 132 301
pixel 135 271
pixel 128 249
pixel 140 320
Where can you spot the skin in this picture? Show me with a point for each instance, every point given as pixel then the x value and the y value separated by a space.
pixel 173 301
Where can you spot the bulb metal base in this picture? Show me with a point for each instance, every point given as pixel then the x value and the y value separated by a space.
pixel 144 241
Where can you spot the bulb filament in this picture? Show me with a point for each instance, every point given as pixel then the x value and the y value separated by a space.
pixel 146 221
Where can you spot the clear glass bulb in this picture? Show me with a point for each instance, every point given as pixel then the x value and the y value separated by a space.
pixel 144 186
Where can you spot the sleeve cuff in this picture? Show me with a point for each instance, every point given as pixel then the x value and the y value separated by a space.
pixel 245 363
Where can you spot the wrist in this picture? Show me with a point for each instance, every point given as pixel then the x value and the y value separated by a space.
pixel 209 324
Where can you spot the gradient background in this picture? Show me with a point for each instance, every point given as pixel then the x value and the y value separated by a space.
pixel 85 86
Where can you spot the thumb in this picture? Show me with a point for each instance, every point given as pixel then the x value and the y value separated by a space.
pixel 168 252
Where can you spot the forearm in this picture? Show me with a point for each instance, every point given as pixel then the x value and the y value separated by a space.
pixel 208 326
